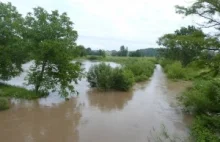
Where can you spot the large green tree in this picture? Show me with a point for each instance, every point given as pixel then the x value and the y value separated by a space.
pixel 11 41
pixel 51 36
pixel 209 10
pixel 183 45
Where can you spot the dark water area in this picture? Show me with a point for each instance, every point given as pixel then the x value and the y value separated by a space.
pixel 94 116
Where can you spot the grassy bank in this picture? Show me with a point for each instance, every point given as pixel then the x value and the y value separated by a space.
pixel 9 91
pixel 175 70
pixel 202 99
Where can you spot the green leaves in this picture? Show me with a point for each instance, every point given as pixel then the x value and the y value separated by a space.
pixel 105 77
pixel 207 9
pixel 11 41
pixel 51 37
pixel 184 45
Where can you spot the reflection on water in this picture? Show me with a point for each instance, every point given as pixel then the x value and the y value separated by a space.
pixel 95 116
pixel 107 101
pixel 34 123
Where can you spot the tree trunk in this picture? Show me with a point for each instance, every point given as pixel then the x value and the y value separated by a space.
pixel 39 79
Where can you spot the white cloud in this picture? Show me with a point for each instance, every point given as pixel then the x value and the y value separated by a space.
pixel 108 24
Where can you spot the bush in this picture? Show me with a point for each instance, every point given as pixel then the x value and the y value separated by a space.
pixel 100 76
pixel 4 103
pixel 142 69
pixel 203 97
pixel 206 128
pixel 122 79
pixel 105 77
pixel 204 100
pixel 175 70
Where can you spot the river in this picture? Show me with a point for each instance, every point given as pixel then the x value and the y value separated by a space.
pixel 94 116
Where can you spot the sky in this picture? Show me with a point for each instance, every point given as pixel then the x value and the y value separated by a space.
pixel 108 24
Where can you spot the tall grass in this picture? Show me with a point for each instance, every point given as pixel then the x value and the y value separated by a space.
pixel 18 92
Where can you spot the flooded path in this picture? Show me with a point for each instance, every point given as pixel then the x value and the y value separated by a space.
pixel 93 116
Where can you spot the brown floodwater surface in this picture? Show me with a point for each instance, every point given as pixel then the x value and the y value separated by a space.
pixel 94 116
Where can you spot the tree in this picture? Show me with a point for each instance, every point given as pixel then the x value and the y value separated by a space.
pixel 184 45
pixel 207 9
pixel 51 35
pixel 102 53
pixel 210 11
pixel 123 51
pixel 80 51
pixel 11 41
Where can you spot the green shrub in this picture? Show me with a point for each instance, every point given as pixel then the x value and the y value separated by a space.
pixel 203 129
pixel 175 70
pixel 100 76
pixel 203 97
pixel 142 69
pixel 4 103
pixel 105 77
pixel 122 79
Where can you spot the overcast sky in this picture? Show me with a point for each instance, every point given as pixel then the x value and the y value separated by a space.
pixel 108 24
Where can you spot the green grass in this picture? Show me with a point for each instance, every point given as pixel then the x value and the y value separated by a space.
pixel 4 103
pixel 123 60
pixel 10 91
pixel 176 71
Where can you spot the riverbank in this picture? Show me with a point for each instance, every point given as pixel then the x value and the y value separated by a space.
pixel 200 100
pixel 9 91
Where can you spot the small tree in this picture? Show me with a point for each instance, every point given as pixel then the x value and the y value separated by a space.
pixel 51 35
pixel 11 41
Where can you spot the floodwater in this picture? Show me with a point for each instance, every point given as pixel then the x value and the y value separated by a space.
pixel 94 116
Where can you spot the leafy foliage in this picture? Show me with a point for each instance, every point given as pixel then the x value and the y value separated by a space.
pixel 51 35
pixel 123 79
pixel 207 9
pixel 203 97
pixel 100 76
pixel 141 68
pixel 184 45
pixel 11 41
pixel 105 77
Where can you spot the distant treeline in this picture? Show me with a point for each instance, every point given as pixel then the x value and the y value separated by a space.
pixel 149 52
pixel 123 51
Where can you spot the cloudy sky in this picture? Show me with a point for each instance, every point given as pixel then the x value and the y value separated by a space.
pixel 108 24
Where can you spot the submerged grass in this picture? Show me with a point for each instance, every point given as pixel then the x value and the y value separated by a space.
pixel 10 91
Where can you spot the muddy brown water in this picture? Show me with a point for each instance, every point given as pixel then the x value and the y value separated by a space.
pixel 94 116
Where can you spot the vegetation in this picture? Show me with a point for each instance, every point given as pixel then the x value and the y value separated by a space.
pixel 4 103
pixel 52 67
pixel 121 78
pixel 148 52
pixel 18 92
pixel 142 69
pixel 11 41
pixel 105 77
pixel 203 100
pixel 190 54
